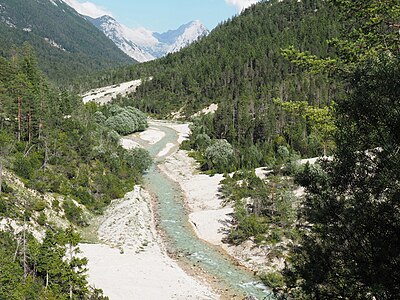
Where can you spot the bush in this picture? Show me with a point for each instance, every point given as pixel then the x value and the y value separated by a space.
pixel 248 225
pixel 42 219
pixel 83 195
pixel 138 158
pixel 273 280
pixel 99 117
pixel 113 136
pixel 201 141
pixel 25 166
pixel 39 205
pixel 126 120
pixel 283 152
pixel 74 213
pixel 220 155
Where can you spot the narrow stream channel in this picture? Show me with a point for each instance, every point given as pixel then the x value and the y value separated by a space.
pixel 183 240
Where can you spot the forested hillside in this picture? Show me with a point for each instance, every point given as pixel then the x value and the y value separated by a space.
pixel 67 45
pixel 69 163
pixel 240 66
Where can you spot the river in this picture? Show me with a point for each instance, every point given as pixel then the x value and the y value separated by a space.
pixel 179 234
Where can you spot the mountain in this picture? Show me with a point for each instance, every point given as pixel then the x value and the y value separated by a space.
pixel 145 45
pixel 65 43
pixel 120 35
pixel 175 40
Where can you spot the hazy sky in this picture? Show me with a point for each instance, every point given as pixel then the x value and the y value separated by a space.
pixel 162 15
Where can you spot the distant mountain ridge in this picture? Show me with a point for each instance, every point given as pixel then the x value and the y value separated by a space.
pixel 119 34
pixel 65 43
pixel 144 45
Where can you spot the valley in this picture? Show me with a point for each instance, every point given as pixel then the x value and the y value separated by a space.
pixel 255 161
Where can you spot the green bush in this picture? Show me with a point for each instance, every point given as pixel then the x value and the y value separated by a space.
pixel 83 195
pixel 201 142
pixel 3 205
pixel 220 155
pixel 42 219
pixel 138 158
pixel 126 120
pixel 273 280
pixel 99 117
pixel 249 225
pixel 74 213
pixel 25 166
pixel 39 205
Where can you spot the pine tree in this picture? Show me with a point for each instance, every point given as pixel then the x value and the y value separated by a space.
pixel 350 247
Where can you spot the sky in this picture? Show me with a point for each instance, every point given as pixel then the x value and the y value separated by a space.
pixel 162 15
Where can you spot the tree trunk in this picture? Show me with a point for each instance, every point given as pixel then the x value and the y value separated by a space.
pixel 1 175
pixel 29 125
pixel 19 118
pixel 24 247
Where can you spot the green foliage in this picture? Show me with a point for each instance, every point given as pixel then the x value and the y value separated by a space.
pixel 51 269
pixel 25 166
pixel 139 159
pixel 249 225
pixel 126 120
pixel 219 155
pixel 39 205
pixel 350 221
pixel 262 210
pixel 42 219
pixel 74 213
pixel 57 144
pixel 272 280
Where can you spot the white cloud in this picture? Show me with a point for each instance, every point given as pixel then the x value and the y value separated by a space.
pixel 88 8
pixel 241 4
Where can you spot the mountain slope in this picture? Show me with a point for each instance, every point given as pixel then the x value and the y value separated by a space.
pixel 145 45
pixel 66 43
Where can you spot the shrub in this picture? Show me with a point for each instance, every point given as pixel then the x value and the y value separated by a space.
pixel 83 195
pixel 25 166
pixel 126 120
pixel 99 117
pixel 138 158
pixel 283 152
pixel 273 279
pixel 220 155
pixel 201 141
pixel 39 205
pixel 42 219
pixel 73 213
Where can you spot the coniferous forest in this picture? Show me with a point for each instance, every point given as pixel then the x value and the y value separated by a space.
pixel 57 145
pixel 292 79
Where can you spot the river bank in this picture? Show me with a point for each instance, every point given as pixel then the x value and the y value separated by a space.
pixel 210 217
pixel 130 261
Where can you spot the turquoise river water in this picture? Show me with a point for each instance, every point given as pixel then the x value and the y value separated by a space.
pixel 173 220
